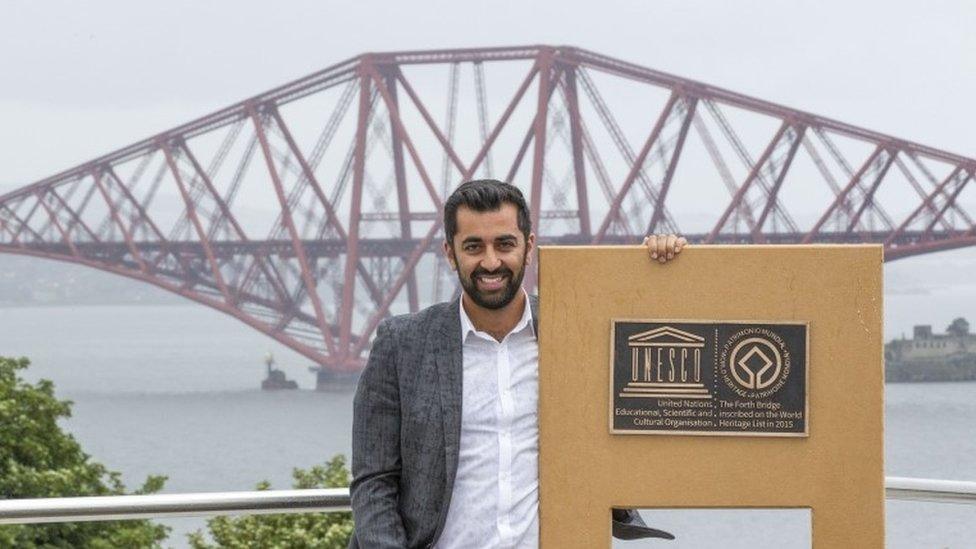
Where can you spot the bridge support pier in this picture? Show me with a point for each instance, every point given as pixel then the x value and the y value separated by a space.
pixel 326 380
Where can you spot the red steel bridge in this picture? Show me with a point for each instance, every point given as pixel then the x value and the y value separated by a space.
pixel 311 212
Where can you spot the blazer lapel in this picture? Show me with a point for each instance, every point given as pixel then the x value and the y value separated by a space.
pixel 534 305
pixel 447 356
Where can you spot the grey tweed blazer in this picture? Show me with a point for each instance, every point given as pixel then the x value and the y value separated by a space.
pixel 406 431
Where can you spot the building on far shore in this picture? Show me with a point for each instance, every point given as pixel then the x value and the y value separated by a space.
pixel 950 356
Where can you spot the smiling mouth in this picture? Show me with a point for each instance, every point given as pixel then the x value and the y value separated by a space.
pixel 491 282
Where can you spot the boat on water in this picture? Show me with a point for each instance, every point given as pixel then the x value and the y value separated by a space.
pixel 275 379
pixel 927 356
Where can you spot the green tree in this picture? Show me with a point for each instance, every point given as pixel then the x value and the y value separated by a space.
pixel 959 327
pixel 39 460
pixel 292 531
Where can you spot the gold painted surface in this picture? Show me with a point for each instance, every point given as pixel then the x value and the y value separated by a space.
pixel 838 470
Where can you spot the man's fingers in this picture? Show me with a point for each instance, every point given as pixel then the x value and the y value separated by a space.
pixel 663 247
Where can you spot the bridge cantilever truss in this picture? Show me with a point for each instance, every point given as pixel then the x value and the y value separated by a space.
pixel 310 212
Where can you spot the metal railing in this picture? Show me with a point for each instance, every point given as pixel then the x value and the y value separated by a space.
pixel 331 500
pixel 926 489
pixel 32 511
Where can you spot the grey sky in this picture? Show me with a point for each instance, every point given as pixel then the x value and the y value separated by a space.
pixel 81 78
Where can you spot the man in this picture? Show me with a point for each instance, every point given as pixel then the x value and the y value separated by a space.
pixel 445 430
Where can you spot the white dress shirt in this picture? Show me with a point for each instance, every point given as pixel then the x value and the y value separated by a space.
pixel 495 502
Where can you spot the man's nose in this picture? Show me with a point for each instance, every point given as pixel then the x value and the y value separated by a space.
pixel 491 261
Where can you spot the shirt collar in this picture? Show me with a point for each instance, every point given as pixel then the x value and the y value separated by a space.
pixel 467 327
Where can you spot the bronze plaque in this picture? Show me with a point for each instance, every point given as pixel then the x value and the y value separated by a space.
pixel 708 378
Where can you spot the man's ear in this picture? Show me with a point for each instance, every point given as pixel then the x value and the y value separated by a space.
pixel 529 248
pixel 449 254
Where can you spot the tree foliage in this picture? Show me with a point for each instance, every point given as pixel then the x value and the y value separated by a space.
pixel 39 460
pixel 959 327
pixel 292 531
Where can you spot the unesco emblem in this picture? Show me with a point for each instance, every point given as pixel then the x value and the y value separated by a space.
pixel 705 377
pixel 755 363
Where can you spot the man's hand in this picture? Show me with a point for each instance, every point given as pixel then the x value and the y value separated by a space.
pixel 664 247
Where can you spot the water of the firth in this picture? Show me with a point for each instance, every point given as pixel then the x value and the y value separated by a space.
pixel 172 390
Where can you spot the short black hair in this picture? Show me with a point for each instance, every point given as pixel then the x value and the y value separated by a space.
pixel 485 195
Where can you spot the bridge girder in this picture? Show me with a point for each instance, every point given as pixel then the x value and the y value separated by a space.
pixel 310 212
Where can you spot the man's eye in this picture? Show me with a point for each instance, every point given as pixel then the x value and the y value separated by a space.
pixel 471 247
pixel 506 245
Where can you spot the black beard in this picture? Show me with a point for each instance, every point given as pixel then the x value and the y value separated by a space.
pixel 491 302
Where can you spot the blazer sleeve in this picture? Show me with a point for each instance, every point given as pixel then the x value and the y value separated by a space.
pixel 376 448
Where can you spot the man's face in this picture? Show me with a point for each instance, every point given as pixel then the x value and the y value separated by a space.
pixel 490 254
